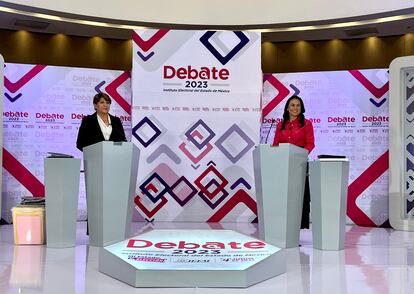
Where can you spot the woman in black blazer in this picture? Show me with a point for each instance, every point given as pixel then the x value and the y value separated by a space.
pixel 100 126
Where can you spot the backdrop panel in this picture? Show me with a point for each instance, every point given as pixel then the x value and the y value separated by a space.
pixel 349 111
pixel 196 119
pixel 197 137
pixel 43 108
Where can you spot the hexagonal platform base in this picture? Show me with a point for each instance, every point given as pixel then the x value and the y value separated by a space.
pixel 192 258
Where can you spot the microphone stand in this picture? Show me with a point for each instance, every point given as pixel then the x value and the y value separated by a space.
pixel 268 132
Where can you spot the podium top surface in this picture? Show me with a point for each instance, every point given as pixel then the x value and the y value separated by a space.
pixel 107 144
pixel 282 146
pixel 59 155
pixel 332 159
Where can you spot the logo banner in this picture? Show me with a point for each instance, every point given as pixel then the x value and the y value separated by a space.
pixel 349 112
pixel 43 109
pixel 196 119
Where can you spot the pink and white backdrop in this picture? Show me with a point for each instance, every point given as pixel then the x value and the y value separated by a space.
pixel 349 111
pixel 196 118
pixel 43 108
pixel 196 134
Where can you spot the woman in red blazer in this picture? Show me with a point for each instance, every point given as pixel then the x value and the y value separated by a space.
pixel 297 130
pixel 100 126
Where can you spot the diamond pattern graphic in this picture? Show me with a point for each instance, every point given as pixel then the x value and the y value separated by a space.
pixel 282 93
pixel 145 141
pixel 359 185
pixel 225 139
pixel 12 98
pixel 377 92
pixel 163 149
pixel 211 171
pixel 240 196
pixel 210 184
pixel 226 58
pixel 409 142
pixel 209 200
pixel 195 158
pixel 148 211
pixel 156 185
pixel 112 90
pixel 182 194
pixel 13 87
pixel 146 45
pixel 193 132
pixel 22 174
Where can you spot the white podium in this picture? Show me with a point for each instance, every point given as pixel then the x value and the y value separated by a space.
pixel 61 196
pixel 280 181
pixel 110 176
pixel 328 179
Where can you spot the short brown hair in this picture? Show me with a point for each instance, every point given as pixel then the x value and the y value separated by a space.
pixel 98 97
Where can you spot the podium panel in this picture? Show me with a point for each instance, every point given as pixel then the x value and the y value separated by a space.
pixel 328 180
pixel 280 183
pixel 61 196
pixel 110 176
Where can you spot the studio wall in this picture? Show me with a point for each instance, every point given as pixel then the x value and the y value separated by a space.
pixel 43 107
pixel 281 57
pixel 298 56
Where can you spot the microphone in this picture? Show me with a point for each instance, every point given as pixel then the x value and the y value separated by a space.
pixel 268 132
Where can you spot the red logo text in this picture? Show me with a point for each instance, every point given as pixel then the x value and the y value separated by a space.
pixel 138 243
pixel 190 73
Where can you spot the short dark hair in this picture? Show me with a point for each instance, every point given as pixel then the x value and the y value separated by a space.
pixel 98 97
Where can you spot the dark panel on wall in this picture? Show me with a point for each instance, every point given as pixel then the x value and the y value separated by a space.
pixel 309 56
pixel 408 40
pixel 372 52
pixel 269 57
pixel 62 50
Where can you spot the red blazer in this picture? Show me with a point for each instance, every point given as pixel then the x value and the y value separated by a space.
pixel 293 134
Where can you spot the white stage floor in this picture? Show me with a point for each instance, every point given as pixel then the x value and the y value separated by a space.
pixel 374 261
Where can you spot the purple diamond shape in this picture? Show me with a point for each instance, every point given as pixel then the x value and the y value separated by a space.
pixel 182 200
pixel 208 201
pixel 224 59
pixel 156 130
pixel 234 129
pixel 190 137
pixel 154 198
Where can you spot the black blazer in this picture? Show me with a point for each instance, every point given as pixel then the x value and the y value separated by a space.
pixel 90 131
